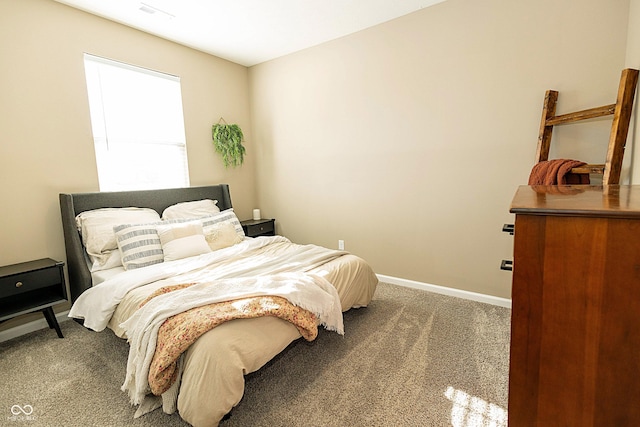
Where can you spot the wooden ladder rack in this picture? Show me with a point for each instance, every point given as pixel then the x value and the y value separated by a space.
pixel 621 112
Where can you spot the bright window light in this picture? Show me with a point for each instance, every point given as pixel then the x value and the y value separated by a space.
pixel 471 411
pixel 138 126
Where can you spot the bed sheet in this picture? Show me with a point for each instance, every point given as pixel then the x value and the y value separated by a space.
pixel 100 276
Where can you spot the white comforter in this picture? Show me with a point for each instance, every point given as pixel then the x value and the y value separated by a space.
pixel 97 305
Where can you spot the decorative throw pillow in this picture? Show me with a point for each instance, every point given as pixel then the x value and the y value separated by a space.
pixel 96 228
pixel 182 240
pixel 195 209
pixel 221 235
pixel 139 245
pixel 226 216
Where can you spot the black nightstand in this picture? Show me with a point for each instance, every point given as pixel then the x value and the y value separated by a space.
pixel 259 227
pixel 32 286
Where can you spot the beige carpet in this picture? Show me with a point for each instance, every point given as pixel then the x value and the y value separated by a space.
pixel 412 358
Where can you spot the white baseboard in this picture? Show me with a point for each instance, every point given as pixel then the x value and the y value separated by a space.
pixel 32 327
pixel 459 293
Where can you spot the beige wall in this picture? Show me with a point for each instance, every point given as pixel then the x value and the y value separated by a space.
pixel 46 145
pixel 408 140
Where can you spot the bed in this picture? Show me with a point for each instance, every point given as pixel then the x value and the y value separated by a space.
pixel 111 289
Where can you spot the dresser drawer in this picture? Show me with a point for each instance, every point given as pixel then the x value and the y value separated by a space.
pixel 29 281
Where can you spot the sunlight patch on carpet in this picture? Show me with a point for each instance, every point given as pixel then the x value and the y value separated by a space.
pixel 471 411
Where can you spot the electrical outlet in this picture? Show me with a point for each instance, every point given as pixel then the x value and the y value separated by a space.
pixel 341 245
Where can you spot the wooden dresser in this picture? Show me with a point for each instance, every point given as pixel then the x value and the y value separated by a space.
pixel 575 332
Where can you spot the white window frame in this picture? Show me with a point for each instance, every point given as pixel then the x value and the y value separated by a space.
pixel 138 126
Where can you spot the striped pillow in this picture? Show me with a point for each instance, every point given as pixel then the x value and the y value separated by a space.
pixel 139 244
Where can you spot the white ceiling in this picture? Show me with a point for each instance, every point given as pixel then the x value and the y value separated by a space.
pixel 249 32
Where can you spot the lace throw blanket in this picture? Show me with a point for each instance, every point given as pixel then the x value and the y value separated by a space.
pixel 178 332
pixel 300 291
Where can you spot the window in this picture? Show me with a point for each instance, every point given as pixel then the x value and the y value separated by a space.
pixel 138 126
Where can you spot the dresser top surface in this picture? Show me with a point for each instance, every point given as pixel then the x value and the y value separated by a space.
pixel 617 201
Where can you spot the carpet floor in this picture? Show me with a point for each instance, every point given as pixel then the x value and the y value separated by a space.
pixel 412 358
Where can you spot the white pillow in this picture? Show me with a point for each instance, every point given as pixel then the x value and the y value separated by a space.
pixel 222 235
pixel 96 228
pixel 113 260
pixel 195 209
pixel 139 245
pixel 226 216
pixel 182 240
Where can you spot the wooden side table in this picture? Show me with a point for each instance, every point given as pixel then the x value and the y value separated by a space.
pixel 259 227
pixel 32 286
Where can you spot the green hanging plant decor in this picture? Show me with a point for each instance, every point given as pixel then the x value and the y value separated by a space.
pixel 227 140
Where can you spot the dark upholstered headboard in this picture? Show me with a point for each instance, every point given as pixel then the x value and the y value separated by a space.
pixel 72 204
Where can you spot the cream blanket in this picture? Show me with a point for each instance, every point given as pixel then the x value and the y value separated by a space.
pixel 307 291
pixel 252 257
